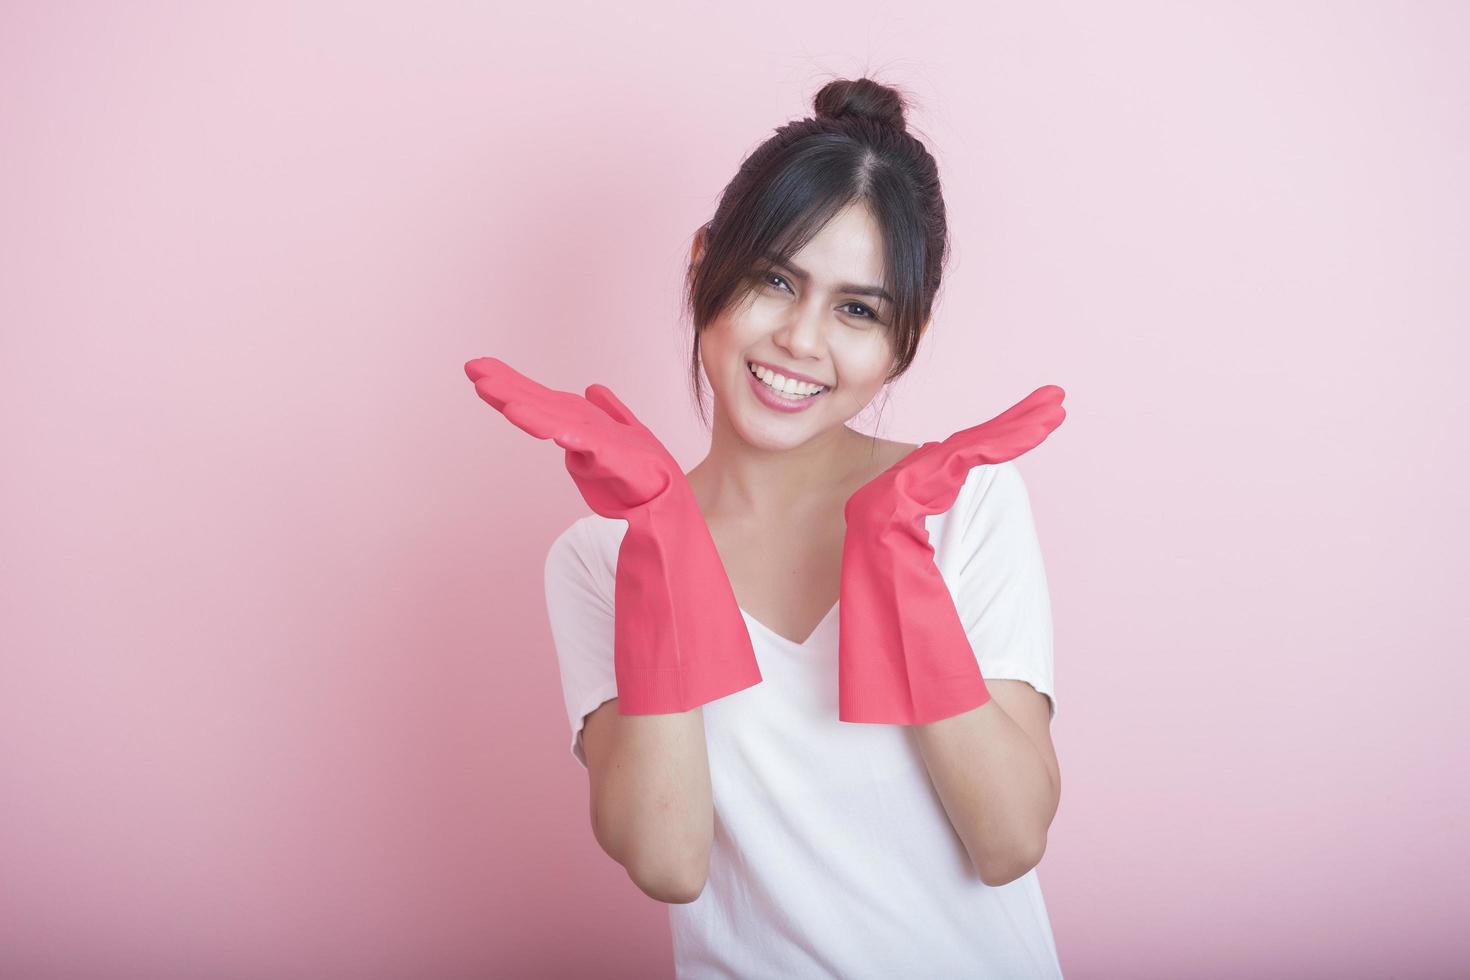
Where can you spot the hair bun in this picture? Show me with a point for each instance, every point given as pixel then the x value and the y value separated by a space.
pixel 861 98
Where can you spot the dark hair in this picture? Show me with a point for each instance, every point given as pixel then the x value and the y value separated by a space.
pixel 856 148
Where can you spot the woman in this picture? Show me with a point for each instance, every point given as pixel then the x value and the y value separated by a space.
pixel 811 679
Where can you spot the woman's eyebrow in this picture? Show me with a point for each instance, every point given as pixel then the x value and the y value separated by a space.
pixel 846 287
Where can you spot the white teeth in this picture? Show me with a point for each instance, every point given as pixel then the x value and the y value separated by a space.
pixel 783 384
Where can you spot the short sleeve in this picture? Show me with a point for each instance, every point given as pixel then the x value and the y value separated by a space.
pixel 998 579
pixel 579 604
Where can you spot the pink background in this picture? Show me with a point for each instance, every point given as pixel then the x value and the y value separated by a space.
pixel 278 697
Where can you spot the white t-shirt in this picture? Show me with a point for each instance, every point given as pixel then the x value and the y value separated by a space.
pixel 833 855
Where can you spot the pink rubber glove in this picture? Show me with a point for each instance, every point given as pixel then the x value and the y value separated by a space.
pixel 902 656
pixel 680 640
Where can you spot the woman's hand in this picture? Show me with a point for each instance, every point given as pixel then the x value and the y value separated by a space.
pixel 617 463
pixel 679 638
pixel 928 480
pixel 903 657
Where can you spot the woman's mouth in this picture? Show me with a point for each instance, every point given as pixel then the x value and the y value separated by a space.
pixel 799 397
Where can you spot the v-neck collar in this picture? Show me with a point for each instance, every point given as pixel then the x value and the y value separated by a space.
pixel 789 642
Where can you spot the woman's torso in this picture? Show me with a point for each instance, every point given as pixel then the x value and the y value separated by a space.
pixel 833 855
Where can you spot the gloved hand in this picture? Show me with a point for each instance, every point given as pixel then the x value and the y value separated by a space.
pixel 680 640
pixel 903 657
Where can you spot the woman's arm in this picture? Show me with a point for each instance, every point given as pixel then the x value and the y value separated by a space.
pixel 652 808
pixel 678 637
pixel 996 773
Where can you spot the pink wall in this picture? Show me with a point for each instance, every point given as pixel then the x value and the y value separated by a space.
pixel 277 696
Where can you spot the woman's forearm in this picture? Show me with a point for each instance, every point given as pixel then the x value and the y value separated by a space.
pixel 652 808
pixel 995 787
pixel 680 641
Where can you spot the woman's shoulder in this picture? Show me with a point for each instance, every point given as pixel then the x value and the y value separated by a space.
pixel 887 452
pixel 591 538
pixel 897 449
pixel 592 526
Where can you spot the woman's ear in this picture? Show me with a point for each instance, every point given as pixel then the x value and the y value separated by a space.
pixel 696 251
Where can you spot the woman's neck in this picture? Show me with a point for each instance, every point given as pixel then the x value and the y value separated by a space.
pixel 737 480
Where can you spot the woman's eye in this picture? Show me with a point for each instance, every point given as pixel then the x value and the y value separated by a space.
pixel 771 278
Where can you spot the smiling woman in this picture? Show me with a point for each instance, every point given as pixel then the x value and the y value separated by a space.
pixel 855 154
pixel 865 807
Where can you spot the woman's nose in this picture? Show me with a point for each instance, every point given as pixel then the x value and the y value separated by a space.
pixel 802 335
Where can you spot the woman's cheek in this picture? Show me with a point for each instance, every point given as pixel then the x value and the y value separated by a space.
pixel 765 312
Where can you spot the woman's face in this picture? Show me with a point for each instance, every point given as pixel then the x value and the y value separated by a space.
pixel 809 318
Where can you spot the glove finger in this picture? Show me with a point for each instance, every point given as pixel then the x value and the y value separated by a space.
pixel 1012 433
pixel 1040 400
pixel 603 398
pixel 530 416
pixel 548 414
pixel 497 382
